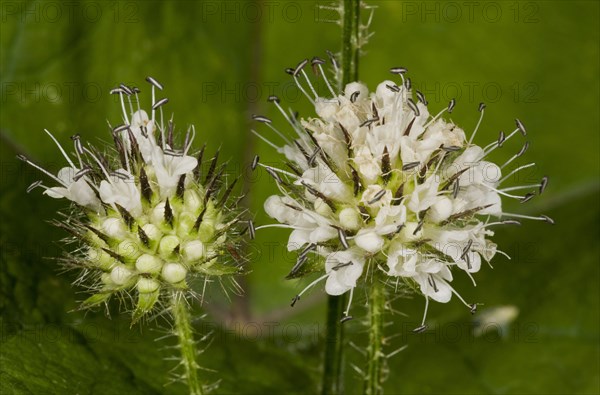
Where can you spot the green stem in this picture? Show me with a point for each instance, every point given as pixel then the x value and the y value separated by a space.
pixel 350 41
pixel 375 356
pixel 333 378
pixel 334 353
pixel 187 346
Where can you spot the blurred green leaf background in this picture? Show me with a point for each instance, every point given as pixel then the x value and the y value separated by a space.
pixel 219 61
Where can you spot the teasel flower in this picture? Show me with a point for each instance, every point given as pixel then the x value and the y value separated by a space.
pixel 149 219
pixel 376 189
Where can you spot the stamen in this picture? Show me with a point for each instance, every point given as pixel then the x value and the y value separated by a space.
pixel 188 141
pixel 99 163
pixel 24 159
pixel 302 90
pixel 33 186
pixel 125 117
pixel 255 162
pixel 284 226
pixel 319 62
pixel 273 128
pixel 432 282
pixel 341 265
pixel 515 156
pixel 310 286
pixel 527 197
pixel 410 166
pixel 120 128
pixel 342 237
pixel 81 173
pixel 521 127
pixel 544 218
pixel 432 120
pixel 126 89
pixel 482 112
pixel 467 248
pixel 422 99
pixel 251 230
pixel 377 197
pixel 394 88
pixel 346 313
pixel 310 84
pixel 60 148
pixel 273 174
pixel 398 70
pixel 420 329
pixel 459 297
pixel 456 188
pixel 496 144
pixel 425 312
pixel 451 105
pixel 261 118
pixel 160 103
pixel 333 60
pixel 413 106
pixel 266 140
pixel 543 184
pixel 154 83
pixel 518 169
pixel 299 263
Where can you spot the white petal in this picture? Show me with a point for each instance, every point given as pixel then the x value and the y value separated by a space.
pixel 334 287
pixel 369 241
pixel 57 192
pixel 297 239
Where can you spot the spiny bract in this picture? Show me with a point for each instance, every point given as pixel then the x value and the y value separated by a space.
pixel 148 219
pixel 376 184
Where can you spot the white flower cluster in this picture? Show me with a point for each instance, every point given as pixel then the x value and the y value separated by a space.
pixel 378 184
pixel 150 219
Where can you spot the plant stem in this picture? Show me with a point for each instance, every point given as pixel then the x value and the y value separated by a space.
pixel 334 352
pixel 375 356
pixel 333 372
pixel 187 346
pixel 350 41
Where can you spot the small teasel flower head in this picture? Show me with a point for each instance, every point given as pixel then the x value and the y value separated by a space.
pixel 148 217
pixel 376 188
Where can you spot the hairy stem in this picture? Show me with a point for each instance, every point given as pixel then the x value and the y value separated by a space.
pixel 350 41
pixel 333 378
pixel 187 345
pixel 375 356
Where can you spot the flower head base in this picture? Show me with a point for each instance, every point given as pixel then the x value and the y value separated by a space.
pixel 375 184
pixel 150 220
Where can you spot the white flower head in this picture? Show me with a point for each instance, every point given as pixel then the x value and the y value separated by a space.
pixel 150 220
pixel 378 182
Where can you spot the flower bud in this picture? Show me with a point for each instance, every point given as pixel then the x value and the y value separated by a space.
pixel 167 245
pixel 148 264
pixel 350 218
pixel 173 273
pixel 147 285
pixel 114 227
pixel 121 275
pixel 193 250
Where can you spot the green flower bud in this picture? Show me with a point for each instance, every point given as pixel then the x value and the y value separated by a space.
pixel 121 275
pixel 173 273
pixel 350 218
pixel 147 285
pixel 167 245
pixel 148 264
pixel 193 250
